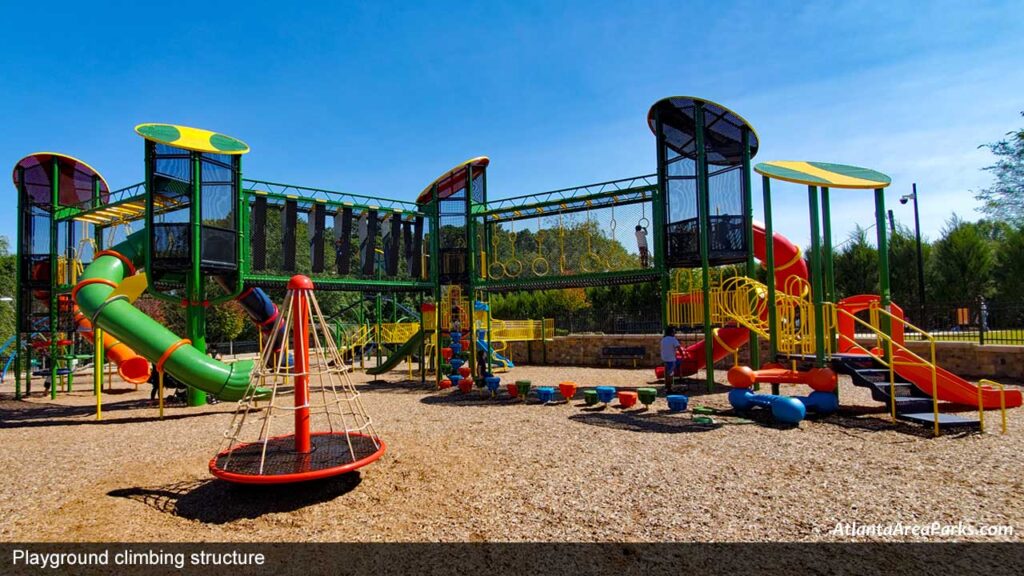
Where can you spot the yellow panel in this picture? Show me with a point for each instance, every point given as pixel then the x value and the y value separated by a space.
pixel 835 178
pixel 195 139
pixel 132 287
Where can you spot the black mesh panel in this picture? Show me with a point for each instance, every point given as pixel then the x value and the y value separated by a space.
pixel 368 241
pixel 288 225
pixel 417 248
pixel 343 241
pixel 318 213
pixel 258 233
pixel 391 246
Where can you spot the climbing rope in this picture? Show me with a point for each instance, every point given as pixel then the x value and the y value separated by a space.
pixel 495 270
pixel 540 265
pixel 513 267
pixel 561 245
pixel 591 261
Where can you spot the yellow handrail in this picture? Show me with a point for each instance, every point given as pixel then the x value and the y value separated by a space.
pixel 888 343
pixel 1002 402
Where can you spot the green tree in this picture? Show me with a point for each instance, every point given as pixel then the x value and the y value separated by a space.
pixel 962 263
pixel 856 265
pixel 8 289
pixel 1004 199
pixel 903 280
pixel 1009 268
pixel 224 322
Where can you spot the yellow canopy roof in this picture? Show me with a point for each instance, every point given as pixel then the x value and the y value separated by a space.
pixel 823 174
pixel 195 139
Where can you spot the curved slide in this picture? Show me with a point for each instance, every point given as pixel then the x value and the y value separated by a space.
pixel 950 387
pixel 118 317
pixel 394 359
pixel 789 262
pixel 130 366
pixel 495 356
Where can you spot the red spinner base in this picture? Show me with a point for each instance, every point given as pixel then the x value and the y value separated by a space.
pixel 331 454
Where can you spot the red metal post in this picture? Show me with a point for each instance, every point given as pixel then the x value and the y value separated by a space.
pixel 302 286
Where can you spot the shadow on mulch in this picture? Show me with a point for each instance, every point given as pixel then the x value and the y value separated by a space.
pixel 654 422
pixel 219 502
pixel 398 386
pixel 33 415
pixel 477 398
pixel 878 420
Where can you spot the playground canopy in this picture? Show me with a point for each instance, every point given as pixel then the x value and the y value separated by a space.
pixel 75 180
pixel 823 174
pixel 194 139
pixel 453 180
pixel 723 129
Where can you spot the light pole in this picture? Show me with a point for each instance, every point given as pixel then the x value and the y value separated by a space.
pixel 917 236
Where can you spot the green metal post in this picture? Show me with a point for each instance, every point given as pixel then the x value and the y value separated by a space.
pixel 435 277
pixel 816 280
pixel 482 275
pixel 883 260
pixel 19 304
pixel 543 343
pixel 378 318
pixel 658 223
pixel 54 203
pixel 704 217
pixel 470 270
pixel 97 367
pixel 195 312
pixel 423 342
pixel 769 256
pixel 748 228
pixel 827 258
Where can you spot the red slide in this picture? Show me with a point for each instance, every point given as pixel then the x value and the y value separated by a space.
pixel 951 387
pixel 788 263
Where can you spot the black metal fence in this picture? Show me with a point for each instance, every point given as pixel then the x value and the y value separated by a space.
pixel 981 322
pixel 991 323
pixel 645 321
pixel 235 348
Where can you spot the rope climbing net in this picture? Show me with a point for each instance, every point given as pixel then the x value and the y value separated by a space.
pixel 301 374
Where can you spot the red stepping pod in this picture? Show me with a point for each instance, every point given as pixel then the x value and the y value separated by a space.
pixel 567 390
pixel 627 399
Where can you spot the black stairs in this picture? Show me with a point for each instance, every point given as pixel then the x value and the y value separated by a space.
pixel 912 404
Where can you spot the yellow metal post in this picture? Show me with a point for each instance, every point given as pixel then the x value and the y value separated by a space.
pixel 97 370
pixel 160 392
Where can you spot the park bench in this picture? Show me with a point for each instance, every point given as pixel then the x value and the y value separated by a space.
pixel 633 353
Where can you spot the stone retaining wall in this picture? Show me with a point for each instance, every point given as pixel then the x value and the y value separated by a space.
pixel 962 358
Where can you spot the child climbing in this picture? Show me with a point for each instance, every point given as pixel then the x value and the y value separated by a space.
pixel 456 325
pixel 669 344
pixel 641 243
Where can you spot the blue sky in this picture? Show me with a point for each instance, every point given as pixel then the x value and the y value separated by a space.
pixel 379 98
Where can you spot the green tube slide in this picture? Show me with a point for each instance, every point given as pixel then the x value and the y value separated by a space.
pixel 147 336
pixel 412 346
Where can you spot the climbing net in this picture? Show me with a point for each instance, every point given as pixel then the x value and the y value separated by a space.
pixel 300 374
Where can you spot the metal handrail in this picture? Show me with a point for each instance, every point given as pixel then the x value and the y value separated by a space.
pixel 575 192
pixel 332 195
pixel 1002 402
pixel 889 360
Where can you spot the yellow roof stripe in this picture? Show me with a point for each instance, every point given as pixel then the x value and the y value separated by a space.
pixel 833 177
